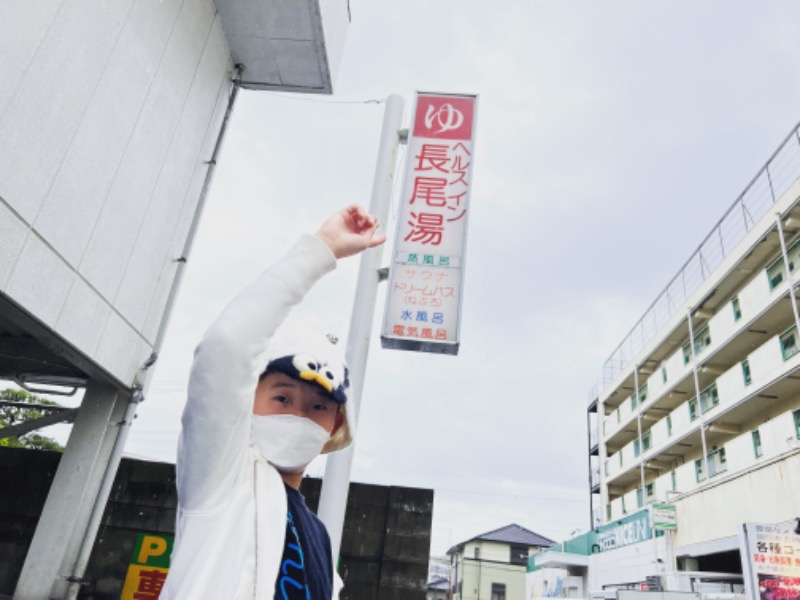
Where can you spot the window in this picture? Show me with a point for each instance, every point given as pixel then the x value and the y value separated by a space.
pixel 499 591
pixel 789 343
pixel 737 310
pixel 698 470
pixel 663 374
pixel 709 398
pixel 757 443
pixel 669 425
pixel 477 553
pixel 623 505
pixel 608 512
pixel 692 409
pixel 687 353
pixel 605 467
pixel 633 403
pixel 519 555
pixel 643 394
pixel 674 477
pixel 702 340
pixel 636 447
pixel 639 498
pixel 645 441
pixel 618 416
pixel 748 379
pixel 775 273
pixel 797 423
pixel 620 457
pixel 650 490
pixel 716 462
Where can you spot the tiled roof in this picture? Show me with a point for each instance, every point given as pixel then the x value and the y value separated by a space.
pixel 510 534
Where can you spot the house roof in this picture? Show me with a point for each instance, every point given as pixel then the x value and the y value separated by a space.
pixel 438 584
pixel 510 534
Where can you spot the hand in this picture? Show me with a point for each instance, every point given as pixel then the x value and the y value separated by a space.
pixel 350 231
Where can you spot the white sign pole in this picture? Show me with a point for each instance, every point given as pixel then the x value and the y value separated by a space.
pixel 336 483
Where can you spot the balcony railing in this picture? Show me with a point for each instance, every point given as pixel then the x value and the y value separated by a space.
pixel 770 183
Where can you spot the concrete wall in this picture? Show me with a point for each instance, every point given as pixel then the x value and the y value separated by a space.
pixel 553 583
pixel 770 493
pixel 385 547
pixel 630 564
pixel 102 159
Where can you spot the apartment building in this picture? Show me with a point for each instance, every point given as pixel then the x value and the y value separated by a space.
pixel 699 405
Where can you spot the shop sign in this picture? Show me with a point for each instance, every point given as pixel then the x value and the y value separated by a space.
pixel 625 532
pixel 664 516
pixel 149 567
pixel 424 297
pixel 770 560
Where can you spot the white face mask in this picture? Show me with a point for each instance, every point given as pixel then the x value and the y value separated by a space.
pixel 288 442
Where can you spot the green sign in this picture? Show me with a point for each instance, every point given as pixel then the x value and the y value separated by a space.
pixel 152 550
pixel 664 517
pixel 632 529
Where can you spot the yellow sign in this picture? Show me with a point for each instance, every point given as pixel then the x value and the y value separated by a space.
pixel 149 567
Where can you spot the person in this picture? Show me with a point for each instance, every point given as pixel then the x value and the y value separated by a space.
pixel 264 399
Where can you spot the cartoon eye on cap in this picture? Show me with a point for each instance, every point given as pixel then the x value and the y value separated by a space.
pixel 309 369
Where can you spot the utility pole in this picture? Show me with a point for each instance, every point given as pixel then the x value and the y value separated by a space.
pixel 336 483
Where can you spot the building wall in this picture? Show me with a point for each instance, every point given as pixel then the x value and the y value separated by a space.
pixel 476 575
pixel 553 583
pixel 103 150
pixel 630 564
pixel 771 491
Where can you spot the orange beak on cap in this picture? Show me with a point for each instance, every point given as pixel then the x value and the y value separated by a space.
pixel 318 378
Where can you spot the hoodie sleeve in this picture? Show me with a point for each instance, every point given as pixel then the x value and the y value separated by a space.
pixel 216 420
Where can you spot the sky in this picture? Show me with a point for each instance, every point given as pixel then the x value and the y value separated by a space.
pixel 611 137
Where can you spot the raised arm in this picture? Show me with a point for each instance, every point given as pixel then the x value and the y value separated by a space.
pixel 231 355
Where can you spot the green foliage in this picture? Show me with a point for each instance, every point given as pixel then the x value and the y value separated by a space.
pixel 13 415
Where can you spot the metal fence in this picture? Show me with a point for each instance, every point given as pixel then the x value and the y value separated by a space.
pixel 769 184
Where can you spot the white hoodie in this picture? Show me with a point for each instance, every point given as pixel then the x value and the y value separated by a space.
pixel 231 519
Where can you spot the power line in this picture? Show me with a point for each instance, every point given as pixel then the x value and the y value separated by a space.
pixel 325 101
pixel 520 496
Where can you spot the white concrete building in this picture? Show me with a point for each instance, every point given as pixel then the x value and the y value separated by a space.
pixel 112 115
pixel 699 405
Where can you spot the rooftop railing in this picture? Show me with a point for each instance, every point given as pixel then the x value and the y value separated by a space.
pixel 770 183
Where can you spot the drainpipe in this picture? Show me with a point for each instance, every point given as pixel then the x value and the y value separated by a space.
pixel 639 426
pixel 789 278
pixel 591 483
pixel 142 377
pixel 697 394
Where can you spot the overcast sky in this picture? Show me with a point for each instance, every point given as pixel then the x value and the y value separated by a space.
pixel 611 136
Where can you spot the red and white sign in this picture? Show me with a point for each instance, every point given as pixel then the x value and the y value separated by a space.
pixel 770 555
pixel 423 309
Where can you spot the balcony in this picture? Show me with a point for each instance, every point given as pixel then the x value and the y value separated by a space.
pixel 750 212
pixel 760 310
pixel 595 481
pixel 726 407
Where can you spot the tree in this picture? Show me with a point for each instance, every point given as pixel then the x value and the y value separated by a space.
pixel 14 415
